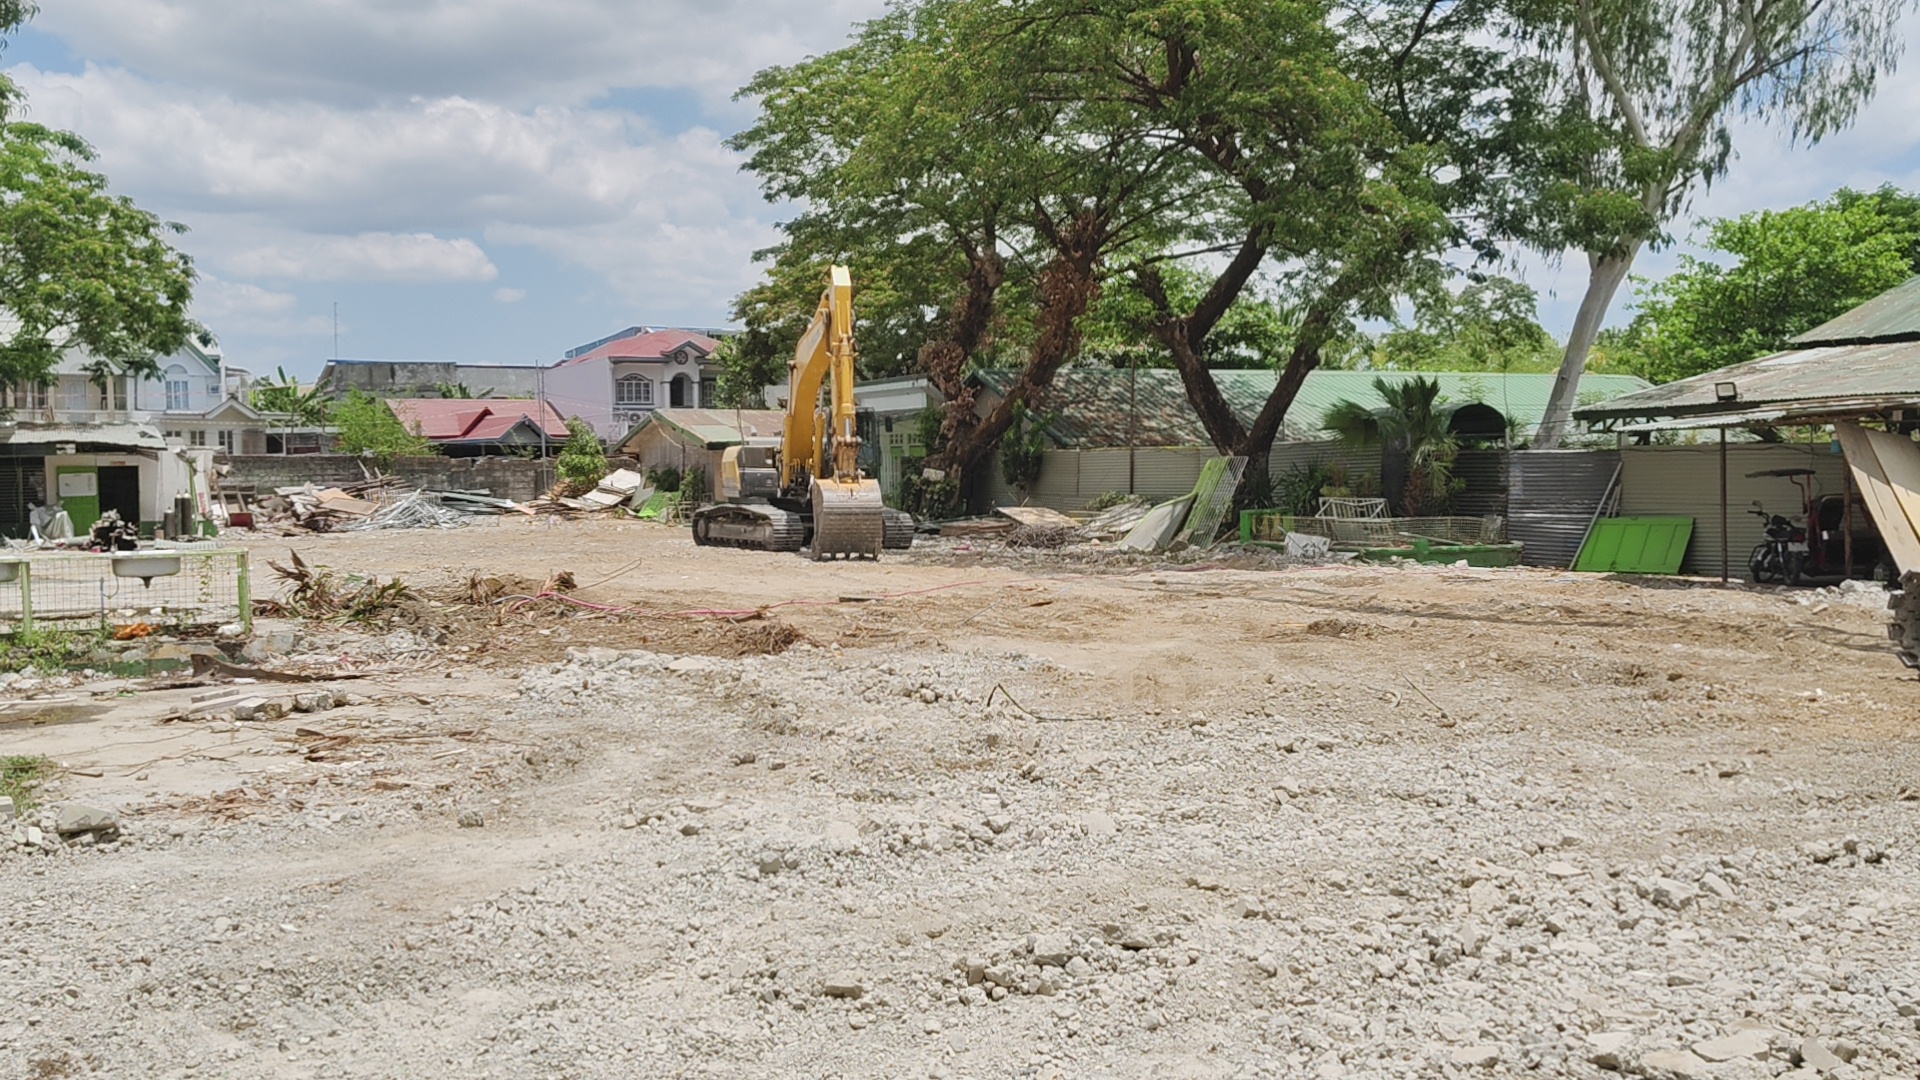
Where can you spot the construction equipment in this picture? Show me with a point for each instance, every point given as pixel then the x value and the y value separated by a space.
pixel 805 489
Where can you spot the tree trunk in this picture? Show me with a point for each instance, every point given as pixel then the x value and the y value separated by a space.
pixel 1315 328
pixel 1185 338
pixel 1067 289
pixel 1609 271
pixel 945 361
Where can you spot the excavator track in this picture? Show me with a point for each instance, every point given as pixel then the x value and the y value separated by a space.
pixel 897 534
pixel 849 519
pixel 1904 628
pixel 749 525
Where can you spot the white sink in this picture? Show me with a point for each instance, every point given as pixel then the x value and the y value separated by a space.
pixel 146 567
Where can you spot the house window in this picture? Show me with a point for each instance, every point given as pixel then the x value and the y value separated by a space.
pixel 226 439
pixel 196 437
pixel 174 435
pixel 177 393
pixel 26 395
pixel 708 387
pixel 633 390
pixel 73 392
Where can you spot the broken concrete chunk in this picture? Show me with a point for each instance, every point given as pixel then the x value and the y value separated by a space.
pixel 1815 1055
pixel 7 811
pixel 1740 1044
pixel 1099 825
pixel 1478 1057
pixel 842 985
pixel 1052 950
pixel 1682 1064
pixel 1608 1049
pixel 80 818
pixel 1671 894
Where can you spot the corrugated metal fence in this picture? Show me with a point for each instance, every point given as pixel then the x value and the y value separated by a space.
pixel 1685 481
pixel 1552 497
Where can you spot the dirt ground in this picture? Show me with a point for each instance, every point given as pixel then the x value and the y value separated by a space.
pixel 970 813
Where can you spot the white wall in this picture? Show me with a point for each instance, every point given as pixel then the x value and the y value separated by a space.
pixel 585 390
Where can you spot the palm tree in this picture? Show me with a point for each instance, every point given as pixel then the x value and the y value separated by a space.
pixel 1411 426
pixel 306 407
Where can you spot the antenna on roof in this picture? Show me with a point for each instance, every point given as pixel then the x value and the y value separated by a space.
pixel 336 329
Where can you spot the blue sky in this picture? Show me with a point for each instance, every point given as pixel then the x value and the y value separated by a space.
pixel 499 180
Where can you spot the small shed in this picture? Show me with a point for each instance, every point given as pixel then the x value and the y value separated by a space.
pixel 695 438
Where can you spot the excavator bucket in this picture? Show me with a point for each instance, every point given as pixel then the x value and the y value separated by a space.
pixel 848 518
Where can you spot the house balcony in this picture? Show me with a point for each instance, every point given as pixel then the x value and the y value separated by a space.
pixel 75 417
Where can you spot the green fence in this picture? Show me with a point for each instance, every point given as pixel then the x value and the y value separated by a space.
pixel 163 588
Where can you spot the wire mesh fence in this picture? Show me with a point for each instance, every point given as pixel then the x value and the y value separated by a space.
pixel 162 588
pixel 1272 526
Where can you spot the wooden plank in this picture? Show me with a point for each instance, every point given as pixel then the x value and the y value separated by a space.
pixel 1037 515
pixel 1895 509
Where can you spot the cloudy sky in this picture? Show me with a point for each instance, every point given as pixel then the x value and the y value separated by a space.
pixel 499 180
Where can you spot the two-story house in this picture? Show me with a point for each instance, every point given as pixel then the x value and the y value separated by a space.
pixel 613 383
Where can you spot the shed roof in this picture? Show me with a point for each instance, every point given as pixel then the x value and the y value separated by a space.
pixel 1098 407
pixel 1894 315
pixel 711 428
pixel 126 436
pixel 1840 378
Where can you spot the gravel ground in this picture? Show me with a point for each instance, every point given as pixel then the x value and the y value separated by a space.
pixel 1341 823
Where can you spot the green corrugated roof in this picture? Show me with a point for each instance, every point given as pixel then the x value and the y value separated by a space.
pixel 1093 404
pixel 1894 315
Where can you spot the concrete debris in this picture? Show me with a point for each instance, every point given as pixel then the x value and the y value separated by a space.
pixel 1740 1044
pixel 81 818
pixel 7 812
pixel 843 985
pixel 472 818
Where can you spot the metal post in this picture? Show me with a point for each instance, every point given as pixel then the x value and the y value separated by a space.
pixel 1846 518
pixel 1725 560
pixel 244 591
pixel 1133 416
pixel 26 594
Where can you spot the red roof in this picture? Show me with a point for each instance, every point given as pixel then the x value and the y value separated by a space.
pixel 467 420
pixel 654 345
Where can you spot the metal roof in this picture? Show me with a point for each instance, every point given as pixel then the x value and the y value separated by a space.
pixel 1836 378
pixel 128 436
pixel 1892 316
pixel 713 428
pixel 1096 407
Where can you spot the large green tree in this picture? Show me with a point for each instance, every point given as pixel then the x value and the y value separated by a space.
pixel 1490 325
pixel 80 267
pixel 1643 113
pixel 1780 273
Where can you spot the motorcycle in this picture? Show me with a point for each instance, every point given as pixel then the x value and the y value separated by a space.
pixel 1782 556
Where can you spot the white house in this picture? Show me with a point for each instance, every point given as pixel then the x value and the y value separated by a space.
pixel 613 384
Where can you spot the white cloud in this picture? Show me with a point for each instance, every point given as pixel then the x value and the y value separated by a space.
pixel 370 256
pixel 319 192
pixel 521 52
pixel 237 308
pixel 505 295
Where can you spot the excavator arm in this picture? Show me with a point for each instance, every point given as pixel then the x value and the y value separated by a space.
pixel 825 355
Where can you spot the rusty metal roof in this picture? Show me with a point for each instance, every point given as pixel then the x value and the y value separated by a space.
pixel 1894 315
pixel 1861 379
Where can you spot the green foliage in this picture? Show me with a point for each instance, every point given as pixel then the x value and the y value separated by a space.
pixel 662 478
pixel 460 391
pixel 1412 424
pixel 1791 270
pixel 693 485
pixel 1491 325
pixel 20 779
pixel 1297 490
pixel 583 461
pixel 1107 500
pixel 47 650
pixel 79 267
pixel 369 428
pixel 1023 450
pixel 283 395
pixel 749 363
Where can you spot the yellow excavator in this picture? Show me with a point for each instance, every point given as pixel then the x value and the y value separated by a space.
pixel 805 489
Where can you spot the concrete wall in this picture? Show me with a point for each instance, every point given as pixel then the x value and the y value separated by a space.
pixel 1070 479
pixel 585 389
pixel 518 479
